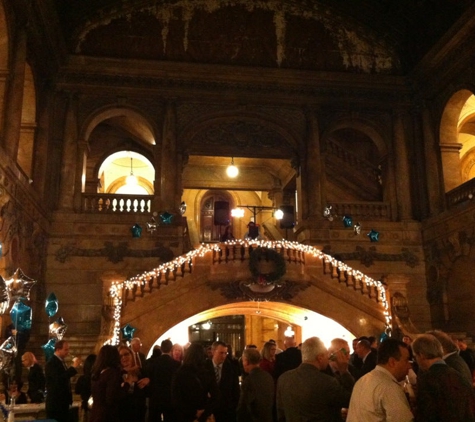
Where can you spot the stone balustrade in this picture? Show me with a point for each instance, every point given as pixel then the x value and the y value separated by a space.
pixel 462 193
pixel 370 211
pixel 103 203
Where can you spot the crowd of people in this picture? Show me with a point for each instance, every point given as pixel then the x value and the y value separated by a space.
pixel 428 379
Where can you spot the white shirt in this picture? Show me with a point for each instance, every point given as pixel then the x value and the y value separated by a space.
pixel 377 397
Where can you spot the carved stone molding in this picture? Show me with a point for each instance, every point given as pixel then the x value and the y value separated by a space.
pixel 249 290
pixel 114 252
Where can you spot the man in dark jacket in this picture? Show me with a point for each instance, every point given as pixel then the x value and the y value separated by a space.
pixel 161 371
pixel 58 387
pixel 228 383
pixel 290 358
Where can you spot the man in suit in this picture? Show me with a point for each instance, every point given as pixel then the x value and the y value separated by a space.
pixel 308 394
pixel 290 358
pixel 442 392
pixel 228 383
pixel 257 391
pixel 367 355
pixel 161 371
pixel 139 357
pixel 58 386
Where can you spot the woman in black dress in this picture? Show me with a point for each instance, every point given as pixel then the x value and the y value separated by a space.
pixel 108 388
pixel 194 388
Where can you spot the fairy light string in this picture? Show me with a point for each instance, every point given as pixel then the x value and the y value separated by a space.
pixel 119 288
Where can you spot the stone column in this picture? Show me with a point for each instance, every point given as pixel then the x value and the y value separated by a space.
pixel 70 158
pixel 403 185
pixel 431 152
pixel 157 189
pixel 14 103
pixel 450 153
pixel 313 174
pixel 169 166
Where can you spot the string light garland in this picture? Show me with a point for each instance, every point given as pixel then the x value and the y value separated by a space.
pixel 119 288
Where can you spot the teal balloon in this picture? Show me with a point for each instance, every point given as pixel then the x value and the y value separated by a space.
pixel 166 217
pixel 347 221
pixel 48 349
pixel 384 336
pixel 128 332
pixel 51 305
pixel 21 316
pixel 373 236
pixel 136 230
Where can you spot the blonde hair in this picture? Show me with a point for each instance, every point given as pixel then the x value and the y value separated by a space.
pixel 30 357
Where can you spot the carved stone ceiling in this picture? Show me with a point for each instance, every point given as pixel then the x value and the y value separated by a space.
pixel 369 36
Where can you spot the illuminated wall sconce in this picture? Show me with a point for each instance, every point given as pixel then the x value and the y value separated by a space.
pixel 232 171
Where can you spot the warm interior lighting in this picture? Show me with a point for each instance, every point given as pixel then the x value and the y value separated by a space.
pixel 232 171
pixel 289 332
pixel 131 180
pixel 278 214
pixel 206 325
pixel 237 212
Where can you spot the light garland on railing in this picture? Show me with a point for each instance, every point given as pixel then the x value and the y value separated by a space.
pixel 119 288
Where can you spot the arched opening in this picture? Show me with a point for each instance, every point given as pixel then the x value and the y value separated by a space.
pixel 215 215
pixel 126 172
pixel 354 166
pixel 457 139
pixel 263 321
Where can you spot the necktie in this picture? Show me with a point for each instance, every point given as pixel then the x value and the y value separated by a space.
pixel 217 372
pixel 137 360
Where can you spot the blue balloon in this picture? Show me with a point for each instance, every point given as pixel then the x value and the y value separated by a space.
pixel 51 305
pixel 383 337
pixel 166 217
pixel 136 230
pixel 128 332
pixel 347 221
pixel 21 316
pixel 373 235
pixel 48 349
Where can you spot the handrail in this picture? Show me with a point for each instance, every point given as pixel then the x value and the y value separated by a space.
pixel 462 193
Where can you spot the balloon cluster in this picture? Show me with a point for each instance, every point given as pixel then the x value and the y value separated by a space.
pixel 348 222
pixel 57 328
pixel 16 290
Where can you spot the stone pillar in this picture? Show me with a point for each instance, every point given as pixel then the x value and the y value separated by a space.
pixel 82 151
pixel 70 157
pixel 450 153
pixel 431 152
pixel 14 103
pixel 313 174
pixel 403 185
pixel 157 201
pixel 169 166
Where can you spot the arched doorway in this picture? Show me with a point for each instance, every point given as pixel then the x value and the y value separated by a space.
pixel 215 215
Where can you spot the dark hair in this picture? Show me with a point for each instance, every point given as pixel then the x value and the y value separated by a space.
pixel 166 346
pixel 59 345
pixel 156 352
pixel 88 365
pixel 195 355
pixel 390 348
pixel 108 357
pixel 215 344
pixel 365 343
pixel 252 356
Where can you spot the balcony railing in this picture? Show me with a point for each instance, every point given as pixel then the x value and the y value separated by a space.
pixel 460 194
pixel 102 203
pixel 363 210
